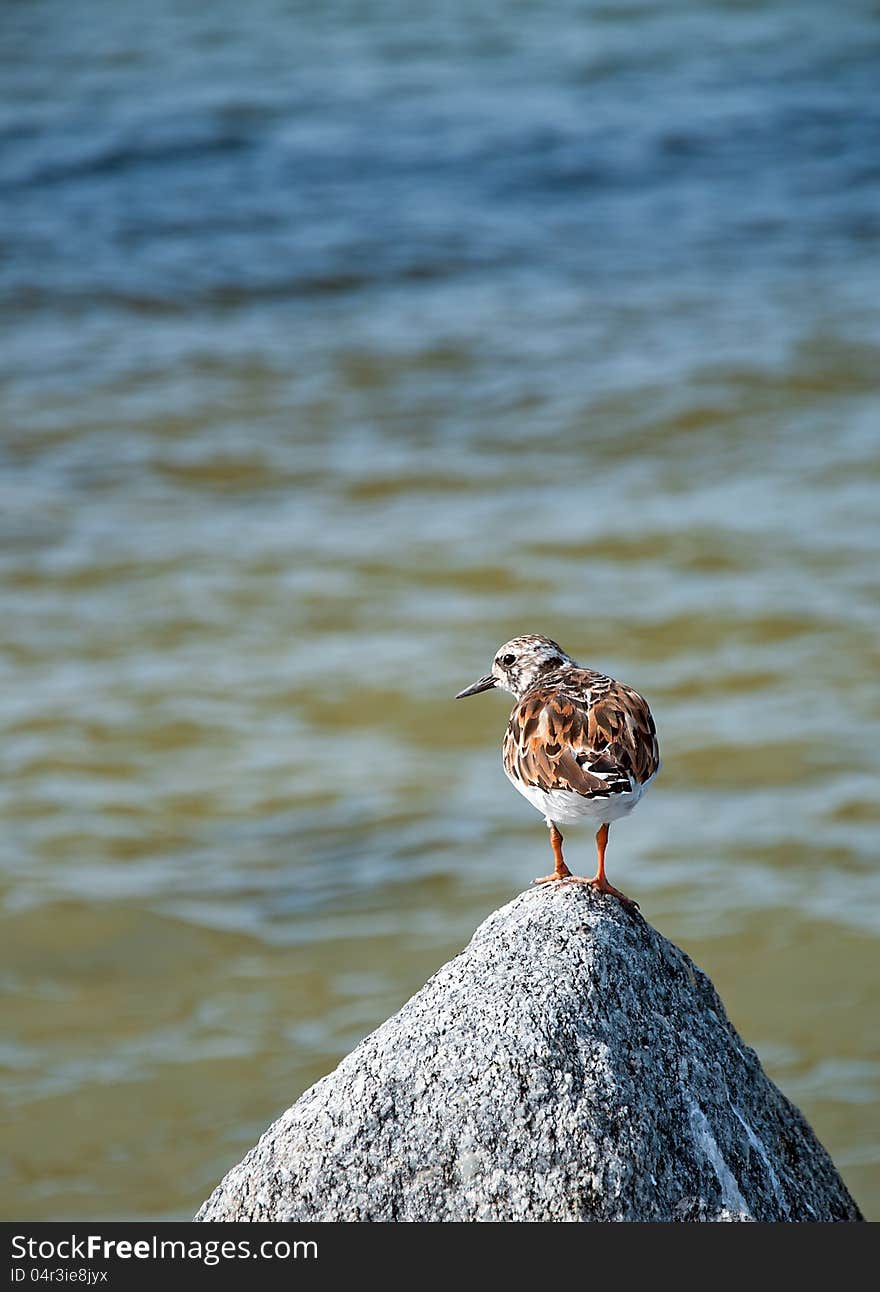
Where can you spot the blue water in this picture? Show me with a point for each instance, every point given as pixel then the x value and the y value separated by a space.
pixel 722 156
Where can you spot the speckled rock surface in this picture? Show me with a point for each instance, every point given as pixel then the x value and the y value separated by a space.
pixel 569 1064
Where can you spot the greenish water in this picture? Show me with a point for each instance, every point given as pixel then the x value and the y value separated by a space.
pixel 319 387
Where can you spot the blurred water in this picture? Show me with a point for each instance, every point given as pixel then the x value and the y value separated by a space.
pixel 341 343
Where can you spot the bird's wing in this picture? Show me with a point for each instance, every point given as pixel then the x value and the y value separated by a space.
pixel 596 740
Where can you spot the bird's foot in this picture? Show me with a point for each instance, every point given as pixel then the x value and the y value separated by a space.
pixel 602 886
pixel 558 875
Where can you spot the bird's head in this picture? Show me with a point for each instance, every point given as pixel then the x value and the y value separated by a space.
pixel 519 664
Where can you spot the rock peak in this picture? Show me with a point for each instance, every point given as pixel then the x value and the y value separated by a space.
pixel 569 1064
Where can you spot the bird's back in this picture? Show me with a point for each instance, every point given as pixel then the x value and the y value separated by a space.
pixel 581 731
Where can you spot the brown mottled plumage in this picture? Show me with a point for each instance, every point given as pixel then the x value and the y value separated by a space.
pixel 581 731
pixel 578 743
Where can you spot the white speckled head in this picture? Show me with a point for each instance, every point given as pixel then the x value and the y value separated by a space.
pixel 519 664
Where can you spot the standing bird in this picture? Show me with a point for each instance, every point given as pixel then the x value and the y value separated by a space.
pixel 578 744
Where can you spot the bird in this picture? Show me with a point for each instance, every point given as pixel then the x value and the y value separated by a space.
pixel 579 745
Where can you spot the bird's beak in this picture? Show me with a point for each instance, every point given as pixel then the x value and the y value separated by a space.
pixel 484 684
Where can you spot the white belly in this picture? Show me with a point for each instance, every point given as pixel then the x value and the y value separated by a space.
pixel 566 807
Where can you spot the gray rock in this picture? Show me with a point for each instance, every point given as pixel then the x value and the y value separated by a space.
pixel 569 1064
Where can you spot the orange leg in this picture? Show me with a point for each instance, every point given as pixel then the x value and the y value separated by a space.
pixel 599 880
pixel 560 870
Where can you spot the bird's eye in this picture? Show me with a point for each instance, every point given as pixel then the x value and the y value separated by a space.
pixel 507 660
